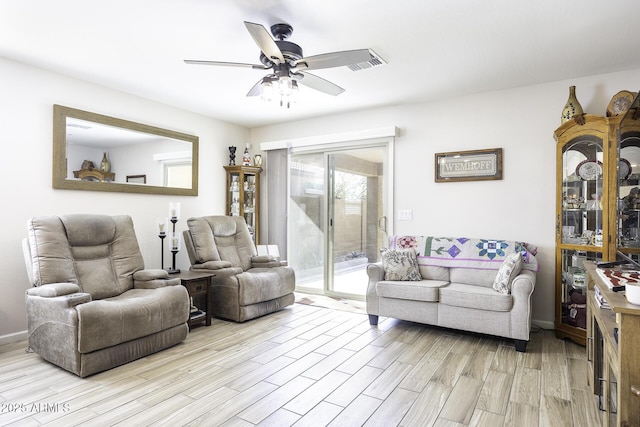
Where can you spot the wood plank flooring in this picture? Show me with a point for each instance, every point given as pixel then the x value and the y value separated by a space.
pixel 313 366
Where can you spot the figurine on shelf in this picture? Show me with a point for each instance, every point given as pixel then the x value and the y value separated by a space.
pixel 232 156
pixel 246 157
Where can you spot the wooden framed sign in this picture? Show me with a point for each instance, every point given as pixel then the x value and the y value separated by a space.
pixel 474 165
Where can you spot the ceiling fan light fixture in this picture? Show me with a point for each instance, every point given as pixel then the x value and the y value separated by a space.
pixel 285 86
pixel 281 90
pixel 267 89
pixel 286 99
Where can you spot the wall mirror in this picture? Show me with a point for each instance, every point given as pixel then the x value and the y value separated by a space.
pixel 101 153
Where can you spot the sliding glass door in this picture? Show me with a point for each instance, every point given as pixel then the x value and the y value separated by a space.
pixel 337 217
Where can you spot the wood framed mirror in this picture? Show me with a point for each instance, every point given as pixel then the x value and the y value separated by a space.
pixel 83 141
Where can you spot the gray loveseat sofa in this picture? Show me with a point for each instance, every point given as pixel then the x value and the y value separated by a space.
pixel 455 287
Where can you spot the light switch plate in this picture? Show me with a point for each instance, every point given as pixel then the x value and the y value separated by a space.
pixel 405 215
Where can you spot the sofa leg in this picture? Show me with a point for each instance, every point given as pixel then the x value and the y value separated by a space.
pixel 521 345
pixel 373 319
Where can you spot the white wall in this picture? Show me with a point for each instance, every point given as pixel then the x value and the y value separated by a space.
pixel 520 207
pixel 28 95
pixel 521 121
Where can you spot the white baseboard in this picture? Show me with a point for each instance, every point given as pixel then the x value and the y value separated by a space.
pixel 15 337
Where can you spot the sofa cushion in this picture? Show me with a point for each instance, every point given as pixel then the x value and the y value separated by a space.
pixel 472 276
pixel 478 297
pixel 423 290
pixel 133 314
pixel 509 269
pixel 433 272
pixel 400 264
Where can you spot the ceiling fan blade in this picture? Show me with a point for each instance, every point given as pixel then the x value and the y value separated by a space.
pixel 264 40
pixel 256 89
pixel 333 59
pixel 318 83
pixel 226 64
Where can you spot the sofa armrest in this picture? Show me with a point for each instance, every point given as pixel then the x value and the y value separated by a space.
pixel 522 288
pixel 53 290
pixel 152 279
pixel 524 283
pixel 375 272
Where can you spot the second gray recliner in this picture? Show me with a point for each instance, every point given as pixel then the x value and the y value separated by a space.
pixel 245 285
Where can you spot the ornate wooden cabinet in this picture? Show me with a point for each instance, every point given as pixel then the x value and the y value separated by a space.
pixel 586 199
pixel 243 196
pixel 629 184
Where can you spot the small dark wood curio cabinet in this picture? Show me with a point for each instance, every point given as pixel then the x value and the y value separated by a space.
pixel 243 196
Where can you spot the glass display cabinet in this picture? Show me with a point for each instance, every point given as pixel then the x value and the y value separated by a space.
pixel 613 331
pixel 585 214
pixel 629 183
pixel 243 196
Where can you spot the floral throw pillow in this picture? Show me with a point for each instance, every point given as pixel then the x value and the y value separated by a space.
pixel 400 264
pixel 509 269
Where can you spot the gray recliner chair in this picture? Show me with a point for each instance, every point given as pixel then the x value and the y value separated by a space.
pixel 245 285
pixel 93 305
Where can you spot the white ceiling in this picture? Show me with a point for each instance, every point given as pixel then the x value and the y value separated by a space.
pixel 434 49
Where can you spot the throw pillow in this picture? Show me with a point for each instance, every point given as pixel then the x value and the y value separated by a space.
pixel 400 264
pixel 509 269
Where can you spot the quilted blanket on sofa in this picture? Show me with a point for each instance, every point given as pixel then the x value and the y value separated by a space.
pixel 482 254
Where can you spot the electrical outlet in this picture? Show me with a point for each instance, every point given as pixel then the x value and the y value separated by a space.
pixel 405 215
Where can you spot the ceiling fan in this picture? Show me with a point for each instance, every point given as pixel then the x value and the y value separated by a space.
pixel 289 66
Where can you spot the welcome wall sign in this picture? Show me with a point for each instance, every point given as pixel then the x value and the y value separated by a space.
pixel 474 165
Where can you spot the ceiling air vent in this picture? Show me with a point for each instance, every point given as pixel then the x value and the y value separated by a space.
pixel 375 61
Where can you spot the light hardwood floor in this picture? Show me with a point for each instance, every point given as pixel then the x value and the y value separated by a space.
pixel 313 366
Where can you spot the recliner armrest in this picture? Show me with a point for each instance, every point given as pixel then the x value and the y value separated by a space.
pixel 152 279
pixel 211 265
pixel 61 301
pixel 221 273
pixel 150 274
pixel 267 261
pixel 53 290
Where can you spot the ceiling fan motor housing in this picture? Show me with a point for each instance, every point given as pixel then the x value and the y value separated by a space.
pixel 291 52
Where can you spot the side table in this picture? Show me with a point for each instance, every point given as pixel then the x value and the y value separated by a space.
pixel 198 285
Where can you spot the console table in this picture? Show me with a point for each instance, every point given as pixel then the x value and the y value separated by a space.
pixel 199 287
pixel 613 348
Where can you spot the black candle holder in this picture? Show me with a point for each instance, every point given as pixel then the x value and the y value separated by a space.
pixel 174 248
pixel 162 235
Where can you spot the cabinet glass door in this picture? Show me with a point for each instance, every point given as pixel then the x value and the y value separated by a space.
pixel 249 200
pixel 234 194
pixel 243 196
pixel 629 184
pixel 581 221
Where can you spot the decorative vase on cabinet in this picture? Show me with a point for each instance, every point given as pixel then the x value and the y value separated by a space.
pixel 586 169
pixel 572 107
pixel 243 196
